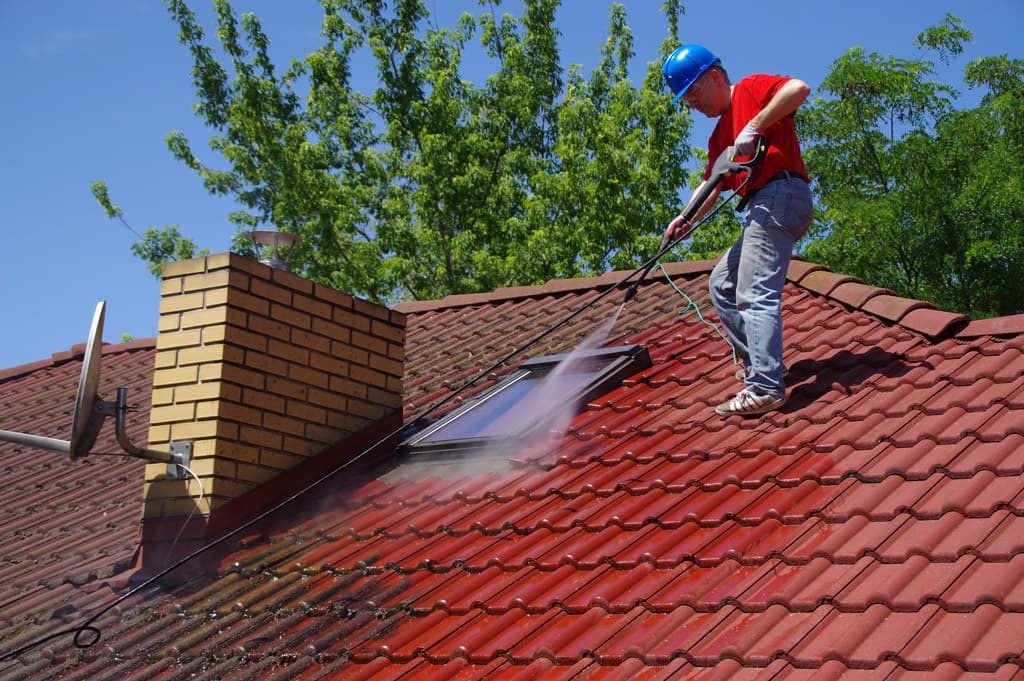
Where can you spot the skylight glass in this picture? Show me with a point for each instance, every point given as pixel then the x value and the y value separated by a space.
pixel 528 400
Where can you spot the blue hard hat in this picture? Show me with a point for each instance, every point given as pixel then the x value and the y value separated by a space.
pixel 684 66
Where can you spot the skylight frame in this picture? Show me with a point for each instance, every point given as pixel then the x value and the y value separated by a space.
pixel 619 362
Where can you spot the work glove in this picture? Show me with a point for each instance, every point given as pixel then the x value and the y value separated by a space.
pixel 675 229
pixel 746 141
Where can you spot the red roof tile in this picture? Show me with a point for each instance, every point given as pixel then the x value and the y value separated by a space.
pixel 872 528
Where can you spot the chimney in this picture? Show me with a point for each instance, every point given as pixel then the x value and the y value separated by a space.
pixel 260 370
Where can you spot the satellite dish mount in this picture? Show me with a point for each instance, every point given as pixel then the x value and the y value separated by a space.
pixel 90 412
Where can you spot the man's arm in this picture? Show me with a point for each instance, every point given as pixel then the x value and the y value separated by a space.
pixel 788 99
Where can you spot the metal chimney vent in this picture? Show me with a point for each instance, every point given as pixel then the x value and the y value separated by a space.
pixel 275 240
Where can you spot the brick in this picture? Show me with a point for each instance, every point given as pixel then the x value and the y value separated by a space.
pixel 234 374
pixel 270 328
pixel 346 386
pixel 208 410
pixel 165 377
pixel 180 268
pixel 301 446
pixel 259 437
pixel 159 434
pixel 161 397
pixel 171 286
pixel 272 292
pixel 333 296
pixel 181 508
pixel 368 309
pixel 330 330
pixel 327 399
pixel 186 301
pixel 317 308
pixel 205 354
pixel 200 391
pixel 215 334
pixel 384 398
pixel 368 376
pixel 194 430
pixel 205 317
pixel 241 300
pixel 395 385
pixel 396 352
pixel 395 334
pixel 169 322
pixel 308 376
pixel 328 365
pixel 350 354
pixel 281 461
pixel 247 265
pixel 351 320
pixel 372 412
pixel 211 280
pixel 371 343
pixel 310 341
pixel 282 424
pixel 307 412
pixel 322 434
pixel 239 413
pixel 388 366
pixel 287 388
pixel 246 339
pixel 256 474
pixel 291 317
pixel 347 422
pixel 286 351
pixel 172 414
pixel 292 281
pixel 263 400
pixel 216 297
pixel 223 490
pixel 177 339
pixel 258 361
pixel 237 451
pixel 168 359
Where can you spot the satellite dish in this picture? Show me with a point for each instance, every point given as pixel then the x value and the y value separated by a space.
pixel 90 411
pixel 86 420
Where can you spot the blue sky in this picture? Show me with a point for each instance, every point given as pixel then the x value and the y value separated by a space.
pixel 92 88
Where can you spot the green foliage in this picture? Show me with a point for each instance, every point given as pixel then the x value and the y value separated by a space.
pixel 432 184
pixel 157 246
pixel 914 194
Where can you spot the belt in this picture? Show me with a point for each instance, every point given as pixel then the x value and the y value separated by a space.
pixel 781 175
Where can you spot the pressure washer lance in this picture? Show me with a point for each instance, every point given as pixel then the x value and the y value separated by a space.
pixel 724 165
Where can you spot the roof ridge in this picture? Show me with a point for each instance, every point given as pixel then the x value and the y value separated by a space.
pixel 920 316
pixel 550 287
pixel 75 352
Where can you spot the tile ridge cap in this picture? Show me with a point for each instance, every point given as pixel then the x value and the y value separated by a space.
pixel 75 352
pixel 550 287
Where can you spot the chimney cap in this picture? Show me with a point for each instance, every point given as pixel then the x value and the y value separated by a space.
pixel 275 239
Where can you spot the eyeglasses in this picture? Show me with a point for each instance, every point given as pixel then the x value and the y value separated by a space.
pixel 696 90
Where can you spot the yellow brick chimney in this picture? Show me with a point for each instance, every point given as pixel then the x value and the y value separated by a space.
pixel 261 370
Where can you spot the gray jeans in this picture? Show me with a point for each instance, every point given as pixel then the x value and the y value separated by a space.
pixel 746 284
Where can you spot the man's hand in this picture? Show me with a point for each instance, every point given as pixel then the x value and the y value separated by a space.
pixel 675 229
pixel 746 141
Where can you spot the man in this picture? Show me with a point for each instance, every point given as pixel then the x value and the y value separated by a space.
pixel 746 284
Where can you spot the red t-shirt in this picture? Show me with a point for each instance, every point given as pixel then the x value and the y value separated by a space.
pixel 749 96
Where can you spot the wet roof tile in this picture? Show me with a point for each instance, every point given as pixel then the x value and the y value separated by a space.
pixel 873 527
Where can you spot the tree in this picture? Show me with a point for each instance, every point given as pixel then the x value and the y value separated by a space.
pixel 432 184
pixel 157 246
pixel 914 194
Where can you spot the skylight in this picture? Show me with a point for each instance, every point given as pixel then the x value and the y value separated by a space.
pixel 529 401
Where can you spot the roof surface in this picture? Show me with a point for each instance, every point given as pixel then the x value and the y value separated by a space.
pixel 872 528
